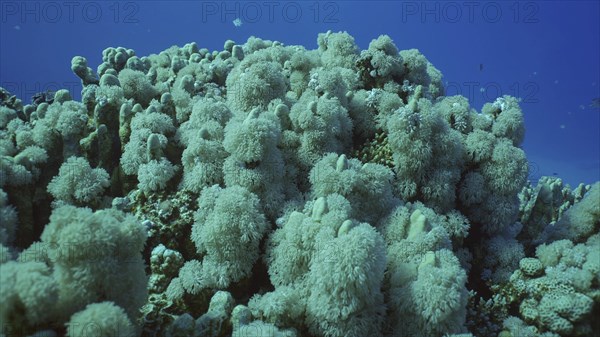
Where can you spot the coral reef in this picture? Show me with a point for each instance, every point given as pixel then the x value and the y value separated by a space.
pixel 270 190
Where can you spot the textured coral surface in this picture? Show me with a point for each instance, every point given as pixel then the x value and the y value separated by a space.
pixel 269 190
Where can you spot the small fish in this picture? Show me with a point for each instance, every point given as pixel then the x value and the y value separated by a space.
pixel 237 22
pixel 480 66
pixel 595 103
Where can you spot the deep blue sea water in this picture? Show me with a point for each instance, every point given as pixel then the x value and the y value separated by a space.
pixel 546 52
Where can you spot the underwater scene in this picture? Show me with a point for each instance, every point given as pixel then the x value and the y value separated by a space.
pixel 300 168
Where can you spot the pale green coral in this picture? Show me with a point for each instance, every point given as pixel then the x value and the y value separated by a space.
pixel 105 318
pixel 285 154
pixel 77 183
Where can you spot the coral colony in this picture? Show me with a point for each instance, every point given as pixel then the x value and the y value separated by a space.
pixel 271 190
